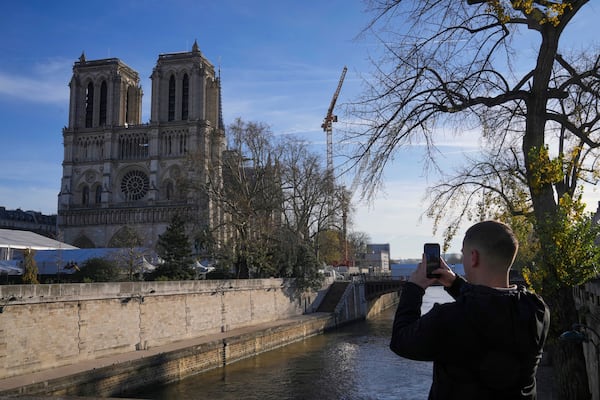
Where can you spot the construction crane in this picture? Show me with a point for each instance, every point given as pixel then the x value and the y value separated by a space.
pixel 330 118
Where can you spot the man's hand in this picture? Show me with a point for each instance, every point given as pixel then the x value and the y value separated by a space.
pixel 419 275
pixel 447 276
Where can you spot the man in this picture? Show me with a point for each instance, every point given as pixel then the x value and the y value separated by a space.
pixel 488 343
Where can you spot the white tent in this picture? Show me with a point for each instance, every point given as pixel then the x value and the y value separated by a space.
pixel 11 240
pixel 14 239
pixel 146 266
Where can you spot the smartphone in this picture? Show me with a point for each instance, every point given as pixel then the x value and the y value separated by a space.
pixel 432 257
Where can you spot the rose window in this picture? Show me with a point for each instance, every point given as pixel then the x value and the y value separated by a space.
pixel 134 185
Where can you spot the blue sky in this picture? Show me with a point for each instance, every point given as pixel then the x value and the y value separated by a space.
pixel 280 63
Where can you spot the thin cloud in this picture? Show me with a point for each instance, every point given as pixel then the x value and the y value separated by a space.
pixel 35 90
pixel 46 83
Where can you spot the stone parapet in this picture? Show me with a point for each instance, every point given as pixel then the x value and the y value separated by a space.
pixel 48 326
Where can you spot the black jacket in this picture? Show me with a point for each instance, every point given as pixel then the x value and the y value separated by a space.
pixel 485 345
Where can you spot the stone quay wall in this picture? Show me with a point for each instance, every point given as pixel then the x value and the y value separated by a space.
pixel 587 299
pixel 117 375
pixel 48 326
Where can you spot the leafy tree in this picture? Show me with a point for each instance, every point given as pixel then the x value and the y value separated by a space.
pixel 306 269
pixel 175 249
pixel 97 270
pixel 205 244
pixel 31 270
pixel 452 64
pixel 331 247
pixel 296 259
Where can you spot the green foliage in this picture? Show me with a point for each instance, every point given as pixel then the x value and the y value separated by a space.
pixel 97 270
pixel 529 244
pixel 174 248
pixel 220 272
pixel 543 170
pixel 330 247
pixel 542 12
pixel 204 242
pixel 571 255
pixel 296 259
pixel 306 270
pixel 31 269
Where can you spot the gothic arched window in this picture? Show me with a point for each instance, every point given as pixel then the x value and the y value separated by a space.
pixel 169 191
pixel 85 196
pixel 98 195
pixel 103 103
pixel 184 97
pixel 130 106
pixel 89 105
pixel 172 98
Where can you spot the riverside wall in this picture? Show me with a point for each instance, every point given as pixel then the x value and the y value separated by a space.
pixel 105 339
pixel 48 326
pixel 117 375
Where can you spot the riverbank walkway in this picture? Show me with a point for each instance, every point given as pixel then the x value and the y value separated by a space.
pixel 545 379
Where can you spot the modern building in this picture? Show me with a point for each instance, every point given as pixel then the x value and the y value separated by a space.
pixel 376 259
pixel 124 180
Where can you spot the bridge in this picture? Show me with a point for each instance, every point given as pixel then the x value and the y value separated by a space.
pixel 372 290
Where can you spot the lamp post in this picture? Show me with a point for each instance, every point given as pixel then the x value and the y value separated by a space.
pixel 577 334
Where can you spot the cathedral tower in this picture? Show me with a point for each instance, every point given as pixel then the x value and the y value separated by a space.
pixel 122 178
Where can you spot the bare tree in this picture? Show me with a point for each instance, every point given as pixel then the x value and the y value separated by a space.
pixel 305 189
pixel 251 197
pixel 131 255
pixel 453 64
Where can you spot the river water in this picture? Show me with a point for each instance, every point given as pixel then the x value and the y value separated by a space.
pixel 351 363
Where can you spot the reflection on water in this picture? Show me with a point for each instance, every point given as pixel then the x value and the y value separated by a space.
pixel 352 363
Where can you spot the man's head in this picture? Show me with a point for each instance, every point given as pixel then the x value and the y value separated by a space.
pixel 489 250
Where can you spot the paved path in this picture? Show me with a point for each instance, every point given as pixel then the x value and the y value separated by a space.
pixel 545 381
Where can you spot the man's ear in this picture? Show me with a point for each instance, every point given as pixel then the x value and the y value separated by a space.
pixel 475 258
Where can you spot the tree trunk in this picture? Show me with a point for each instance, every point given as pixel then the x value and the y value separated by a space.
pixel 568 360
pixel 570 374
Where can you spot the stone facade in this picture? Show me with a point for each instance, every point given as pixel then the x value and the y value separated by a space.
pixel 125 180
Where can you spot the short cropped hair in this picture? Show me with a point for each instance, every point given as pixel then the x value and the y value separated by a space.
pixel 495 239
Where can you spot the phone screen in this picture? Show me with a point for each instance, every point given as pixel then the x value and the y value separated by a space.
pixel 432 257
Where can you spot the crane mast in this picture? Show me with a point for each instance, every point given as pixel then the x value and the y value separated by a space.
pixel 330 118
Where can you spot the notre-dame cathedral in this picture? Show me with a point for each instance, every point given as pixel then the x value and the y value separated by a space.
pixel 122 177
